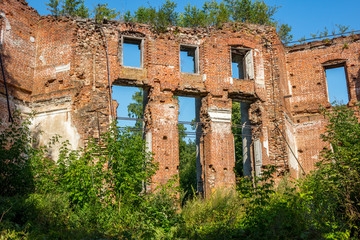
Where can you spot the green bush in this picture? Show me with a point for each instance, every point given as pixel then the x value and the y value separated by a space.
pixel 99 192
pixel 214 218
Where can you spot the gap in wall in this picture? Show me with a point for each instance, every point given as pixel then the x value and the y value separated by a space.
pixel 236 128
pixel 130 100
pixel 336 85
pixel 132 55
pixel 241 129
pixel 188 59
pixel 187 146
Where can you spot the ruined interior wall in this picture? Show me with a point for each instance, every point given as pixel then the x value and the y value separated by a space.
pixel 54 39
pixel 70 88
pixel 306 75
pixel 17 46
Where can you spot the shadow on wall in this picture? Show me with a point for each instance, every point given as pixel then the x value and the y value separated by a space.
pixel 10 83
pixel 357 85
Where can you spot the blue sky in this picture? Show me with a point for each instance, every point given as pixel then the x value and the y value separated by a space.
pixel 305 17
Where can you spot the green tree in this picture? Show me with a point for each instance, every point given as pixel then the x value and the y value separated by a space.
pixel 166 15
pixel 75 8
pixel 54 7
pixel 160 19
pixel 187 164
pixel 284 33
pixel 217 13
pixel 15 167
pixel 332 192
pixel 136 109
pixel 145 15
pixel 193 17
pixel 127 17
pixel 102 11
pixel 237 131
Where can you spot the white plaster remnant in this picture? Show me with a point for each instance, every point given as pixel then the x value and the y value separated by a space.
pixel 266 146
pixel 220 115
pixel 249 64
pixel 260 72
pixel 290 88
pixel 148 141
pixel 292 143
pixel 41 58
pixel 221 119
pixel 231 80
pixel 32 39
pixel 204 77
pixel 266 140
pixel 62 68
pixel 7 23
pixel 56 122
pixel 258 157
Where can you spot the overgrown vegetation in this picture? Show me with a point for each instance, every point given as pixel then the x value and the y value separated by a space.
pixel 77 8
pixel 212 13
pixel 100 192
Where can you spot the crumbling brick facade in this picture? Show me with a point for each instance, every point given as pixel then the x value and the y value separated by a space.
pixel 58 68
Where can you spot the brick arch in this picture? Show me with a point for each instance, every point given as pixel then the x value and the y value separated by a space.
pixel 132 33
pixel 242 42
pixel 328 59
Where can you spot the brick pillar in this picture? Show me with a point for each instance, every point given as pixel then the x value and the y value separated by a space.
pixel 219 155
pixel 161 134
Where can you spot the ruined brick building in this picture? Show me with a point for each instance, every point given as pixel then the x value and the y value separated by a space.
pixel 58 68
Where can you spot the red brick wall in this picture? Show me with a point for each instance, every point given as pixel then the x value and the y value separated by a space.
pixel 307 79
pixel 66 59
pixel 18 45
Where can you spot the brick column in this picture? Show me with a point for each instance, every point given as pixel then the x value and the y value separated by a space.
pixel 219 155
pixel 161 134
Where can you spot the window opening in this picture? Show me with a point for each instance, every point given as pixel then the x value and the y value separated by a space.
pixel 336 84
pixel 189 135
pixel 241 130
pixel 132 52
pixel 130 110
pixel 242 66
pixel 189 59
pixel 237 65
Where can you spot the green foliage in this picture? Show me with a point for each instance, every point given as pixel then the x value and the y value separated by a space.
pixel 284 33
pixel 338 29
pixel 98 193
pixel 254 12
pixel 160 19
pixel 15 148
pixel 334 189
pixel 75 8
pixel 237 131
pixel 127 17
pixel 145 15
pixel 193 17
pixel 342 28
pixel 217 13
pixel 103 12
pixel 212 13
pixel 118 167
pixel 54 7
pixel 215 218
pixel 187 164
